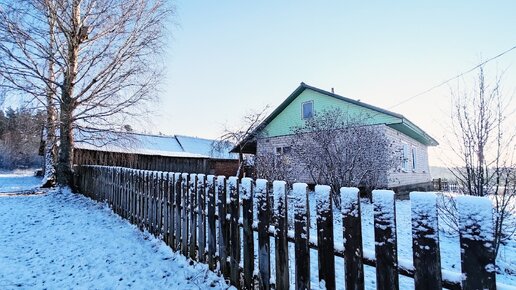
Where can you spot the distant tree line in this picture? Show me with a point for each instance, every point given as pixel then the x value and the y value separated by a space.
pixel 20 135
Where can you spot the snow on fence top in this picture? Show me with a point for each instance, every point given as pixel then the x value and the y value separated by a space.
pixel 349 199
pixel 246 187
pixel 299 194
pixel 424 212
pixel 322 194
pixel 475 218
pixel 210 179
pixel 278 190
pixel 261 186
pixel 383 201
pixel 220 179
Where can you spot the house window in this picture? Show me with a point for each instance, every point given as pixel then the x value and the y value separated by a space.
pixel 414 159
pixel 405 160
pixel 282 150
pixel 307 109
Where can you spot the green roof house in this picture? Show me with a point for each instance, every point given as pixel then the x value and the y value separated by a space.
pixel 276 131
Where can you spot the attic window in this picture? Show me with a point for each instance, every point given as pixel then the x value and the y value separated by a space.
pixel 307 109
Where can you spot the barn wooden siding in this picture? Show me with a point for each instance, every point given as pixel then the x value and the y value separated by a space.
pixel 205 165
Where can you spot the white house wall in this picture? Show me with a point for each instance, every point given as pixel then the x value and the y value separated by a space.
pixel 399 177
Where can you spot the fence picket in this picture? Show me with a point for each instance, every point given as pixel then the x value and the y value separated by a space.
pixel 425 241
pixel 212 234
pixel 223 226
pixel 171 222
pixel 234 231
pixel 302 235
pixel 281 242
pixel 264 248
pixel 326 256
pixel 192 239
pixel 385 240
pixel 184 213
pixel 178 210
pixel 353 252
pixel 248 238
pixel 476 242
pixel 201 216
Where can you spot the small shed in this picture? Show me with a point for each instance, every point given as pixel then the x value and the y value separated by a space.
pixel 174 153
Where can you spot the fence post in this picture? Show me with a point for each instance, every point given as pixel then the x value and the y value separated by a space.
pixel 184 214
pixel 193 216
pixel 212 234
pixel 234 231
pixel 132 182
pixel 385 240
pixel 281 242
pixel 476 242
pixel 325 243
pixel 171 207
pixel 201 216
pixel 139 184
pixel 164 207
pixel 353 252
pixel 302 235
pixel 146 200
pixel 248 237
pixel 178 210
pixel 425 241
pixel 264 248
pixel 223 225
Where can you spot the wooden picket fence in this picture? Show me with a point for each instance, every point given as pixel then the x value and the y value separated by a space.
pixel 211 220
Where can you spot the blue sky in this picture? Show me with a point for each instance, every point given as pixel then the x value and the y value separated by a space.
pixel 228 57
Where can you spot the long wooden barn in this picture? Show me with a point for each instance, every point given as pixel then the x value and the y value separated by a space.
pixel 157 152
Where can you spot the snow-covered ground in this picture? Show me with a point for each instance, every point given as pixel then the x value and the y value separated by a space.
pixel 18 180
pixel 61 240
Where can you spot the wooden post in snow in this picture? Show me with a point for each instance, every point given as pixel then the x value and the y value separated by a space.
pixel 425 241
pixel 301 235
pixel 325 237
pixel 353 251
pixel 246 192
pixel 280 222
pixel 476 242
pixel 386 251
pixel 264 249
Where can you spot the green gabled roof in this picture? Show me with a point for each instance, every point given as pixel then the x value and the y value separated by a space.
pixel 393 120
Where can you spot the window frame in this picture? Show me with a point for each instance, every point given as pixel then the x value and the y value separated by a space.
pixel 414 158
pixel 405 157
pixel 311 102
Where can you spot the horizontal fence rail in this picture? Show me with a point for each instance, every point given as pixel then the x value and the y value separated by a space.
pixel 219 221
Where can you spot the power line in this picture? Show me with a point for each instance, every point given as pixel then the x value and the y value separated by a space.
pixel 453 78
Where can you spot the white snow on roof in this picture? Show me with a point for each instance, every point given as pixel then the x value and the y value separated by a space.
pixel 161 145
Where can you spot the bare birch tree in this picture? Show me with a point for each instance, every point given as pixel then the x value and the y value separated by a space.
pixel 484 142
pixel 106 61
pixel 339 150
pixel 27 64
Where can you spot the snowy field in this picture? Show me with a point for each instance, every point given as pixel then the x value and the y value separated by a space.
pixel 18 180
pixel 67 241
